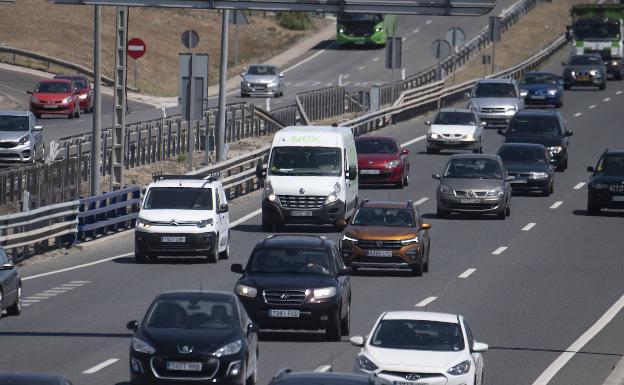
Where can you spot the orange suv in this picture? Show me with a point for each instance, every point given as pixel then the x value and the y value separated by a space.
pixel 386 235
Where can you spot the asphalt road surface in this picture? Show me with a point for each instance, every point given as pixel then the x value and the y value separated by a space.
pixel 530 286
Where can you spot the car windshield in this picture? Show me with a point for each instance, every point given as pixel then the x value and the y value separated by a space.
pixel 535 125
pixel 473 168
pixel 611 165
pixel 455 118
pixel 525 155
pixel 374 17
pixel 178 198
pixel 495 90
pixel 540 79
pixel 13 123
pixel 418 335
pixel 278 260
pixel 191 313
pixel 53 87
pixel 373 216
pixel 583 60
pixel 262 70
pixel 374 146
pixel 596 31
pixel 3 257
pixel 305 161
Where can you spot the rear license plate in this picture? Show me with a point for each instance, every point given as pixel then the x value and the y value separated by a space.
pixel 379 253
pixel 518 181
pixel 184 366
pixel 301 213
pixel 369 172
pixel 173 239
pixel 618 198
pixel 538 97
pixel 278 313
pixel 470 200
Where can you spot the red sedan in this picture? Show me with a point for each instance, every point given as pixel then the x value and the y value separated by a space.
pixel 55 96
pixel 85 89
pixel 382 161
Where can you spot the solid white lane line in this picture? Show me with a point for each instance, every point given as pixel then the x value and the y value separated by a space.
pixel 416 31
pixel 418 139
pixel 361 68
pixel 100 366
pixel 529 226
pixel 77 267
pixel 577 345
pixel 421 201
pixel 245 218
pixel 619 93
pixel 467 273
pixel 376 58
pixel 428 22
pixel 606 99
pixel 72 285
pixel 556 204
pixel 26 304
pixel 323 369
pixel 592 107
pixel 499 250
pixel 308 58
pixel 426 301
pixel 578 114
pixel 80 282
pixel 579 186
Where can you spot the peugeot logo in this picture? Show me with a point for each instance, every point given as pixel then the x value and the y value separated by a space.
pixel 471 194
pixel 173 222
pixel 284 296
pixel 185 349
pixel 379 243
pixel 301 191
pixel 412 376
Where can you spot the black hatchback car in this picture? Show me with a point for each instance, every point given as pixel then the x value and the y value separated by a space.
pixel 10 286
pixel 194 336
pixel 530 165
pixel 545 127
pixel 606 186
pixel 297 282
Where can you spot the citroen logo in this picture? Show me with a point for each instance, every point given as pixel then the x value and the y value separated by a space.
pixel 471 194
pixel 412 376
pixel 173 222
pixel 284 296
pixel 301 191
pixel 379 243
pixel 185 349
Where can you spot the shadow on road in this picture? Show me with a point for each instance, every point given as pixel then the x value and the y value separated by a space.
pixel 289 229
pixel 471 217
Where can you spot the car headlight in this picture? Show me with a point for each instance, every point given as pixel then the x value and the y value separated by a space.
pixel 598 186
pixel 538 175
pixel 246 291
pixel 433 135
pixel 324 292
pixel 204 222
pixel 593 72
pixel 366 364
pixel 379 29
pixel 393 163
pixel 497 192
pixel 555 149
pixel 346 238
pixel 333 196
pixel 34 99
pixel 446 190
pixel 142 223
pixel 552 92
pixel 268 192
pixel 410 241
pixel 24 139
pixel 229 349
pixel 512 108
pixel 470 136
pixel 573 73
pixel 459 369
pixel 341 30
pixel 142 347
pixel 83 96
pixel 614 63
pixel 67 100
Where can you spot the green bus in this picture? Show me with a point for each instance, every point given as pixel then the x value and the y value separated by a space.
pixel 364 28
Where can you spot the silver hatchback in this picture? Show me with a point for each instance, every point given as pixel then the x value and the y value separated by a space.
pixel 262 80
pixel 21 139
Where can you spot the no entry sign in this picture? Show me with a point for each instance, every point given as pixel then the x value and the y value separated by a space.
pixel 136 48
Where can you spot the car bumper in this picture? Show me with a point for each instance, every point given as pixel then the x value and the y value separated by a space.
pixel 533 100
pixel 606 199
pixel 383 176
pixel 37 108
pixel 384 377
pixel 591 81
pixel 194 243
pixel 477 205
pixel 260 91
pixel 529 185
pixel 453 144
pixel 405 257
pixel 20 153
pixel 496 119
pixel 326 214
pixel 378 38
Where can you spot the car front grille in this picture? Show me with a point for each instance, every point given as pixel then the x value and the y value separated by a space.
pixel 520 175
pixel 159 368
pixel 453 136
pixel 359 30
pixel 472 206
pixel 302 201
pixel 258 86
pixel 367 244
pixel 284 297
pixel 493 110
pixel 410 375
pixel 466 193
pixel 169 223
pixel 8 144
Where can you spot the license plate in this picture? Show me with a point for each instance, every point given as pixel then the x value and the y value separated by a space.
pixel 301 213
pixel 184 366
pixel 369 172
pixel 451 142
pixel 470 200
pixel 173 239
pixel 360 42
pixel 379 253
pixel 582 78
pixel 618 198
pixel 278 313
pixel 409 383
pixel 518 181
pixel 538 97
pixel 49 106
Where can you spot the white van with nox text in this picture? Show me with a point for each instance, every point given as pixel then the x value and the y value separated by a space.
pixel 311 177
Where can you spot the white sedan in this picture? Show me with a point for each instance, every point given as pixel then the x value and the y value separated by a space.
pixel 421 348
pixel 455 129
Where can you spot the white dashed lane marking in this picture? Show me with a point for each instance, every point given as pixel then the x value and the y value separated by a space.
pixel 619 93
pixel 376 58
pixel 361 68
pixel 417 139
pixel 528 227
pixel 100 366
pixel 421 201
pixel 578 114
pixel 416 31
pixel 30 300
pixel 426 301
pixel 499 250
pixel 323 369
pixel 556 204
pixel 467 273
pixel 428 22
pixel 579 186
pixel 592 106
pixel 47 294
pixel 606 99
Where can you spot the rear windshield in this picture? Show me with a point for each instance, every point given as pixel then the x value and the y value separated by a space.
pixel 372 216
pixel 178 198
pixel 611 165
pixel 382 146
pixel 455 118
pixel 53 87
pixel 535 125
pixel 278 260
pixel 14 123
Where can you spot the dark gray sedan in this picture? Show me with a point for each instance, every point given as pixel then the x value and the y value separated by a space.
pixel 585 70
pixel 474 183
pixel 10 286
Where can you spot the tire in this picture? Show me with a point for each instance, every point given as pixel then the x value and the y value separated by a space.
pixel 617 76
pixel 77 112
pixel 213 255
pixel 16 308
pixel 592 209
pixel 332 332
pixel 253 377
pixel 545 192
pixel 559 104
pixel 508 211
pixel 603 86
pixel 225 254
pixel 43 153
pixel 70 116
pixel 440 213
pixel 345 323
pixel 406 180
pixel 267 226
pixel 399 185
pixel 566 87
pixel 140 257
pixel 426 264
pixel 417 270
pixel 478 150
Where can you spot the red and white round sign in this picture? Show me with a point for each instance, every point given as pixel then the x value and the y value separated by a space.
pixel 136 48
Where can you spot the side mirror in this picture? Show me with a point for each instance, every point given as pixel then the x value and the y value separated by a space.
pixel 590 169
pixel 236 268
pixel 346 271
pixel 91 86
pixel 427 122
pixel 7 266
pixel 223 208
pixel 352 173
pixel 342 223
pixel 132 325
pixel 569 133
pixel 37 128
pixel 435 176
pixel 404 151
pixel 242 74
pixel 509 178
pixel 479 347
pixel 252 328
pixel 357 340
pixel 29 92
pixel 260 172
pixel 425 226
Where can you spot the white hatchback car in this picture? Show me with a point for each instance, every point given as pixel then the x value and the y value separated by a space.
pixel 421 348
pixel 455 129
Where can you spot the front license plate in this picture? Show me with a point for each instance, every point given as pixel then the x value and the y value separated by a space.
pixel 301 213
pixel 278 313
pixel 49 106
pixel 618 198
pixel 173 239
pixel 379 253
pixel 518 181
pixel 360 42
pixel 582 78
pixel 184 366
pixel 452 142
pixel 470 200
pixel 409 383
pixel 538 97
pixel 370 172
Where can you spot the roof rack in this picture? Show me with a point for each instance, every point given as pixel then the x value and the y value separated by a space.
pixel 159 176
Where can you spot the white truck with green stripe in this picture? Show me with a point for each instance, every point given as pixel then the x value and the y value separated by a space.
pixel 599 28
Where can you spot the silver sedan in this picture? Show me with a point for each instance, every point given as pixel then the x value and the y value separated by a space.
pixel 262 80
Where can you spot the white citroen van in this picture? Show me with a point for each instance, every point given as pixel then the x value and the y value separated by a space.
pixel 311 177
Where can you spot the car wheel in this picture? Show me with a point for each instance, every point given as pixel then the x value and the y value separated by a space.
pixel 16 308
pixel 332 332
pixel 592 209
pixel 345 323
pixel 225 254
pixel 603 86
pixel 70 115
pixel 418 269
pixel 426 264
pixel 441 213
pixel 399 185
pixel 566 87
pixel 213 255
pixel 77 111
pixel 43 153
pixel 267 226
pixel 545 191
pixel 406 180
pixel 253 377
pixel 140 257
pixel 559 104
pixel 508 210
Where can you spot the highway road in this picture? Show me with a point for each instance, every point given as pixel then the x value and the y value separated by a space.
pixel 530 286
pixel 359 67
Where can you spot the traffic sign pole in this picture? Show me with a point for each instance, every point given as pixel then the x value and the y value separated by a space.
pixel 136 50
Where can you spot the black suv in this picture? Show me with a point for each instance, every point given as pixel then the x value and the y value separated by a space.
pixel 296 282
pixel 544 127
pixel 285 377
pixel 606 186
